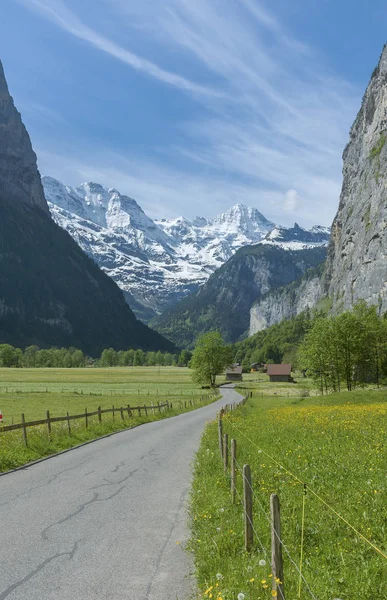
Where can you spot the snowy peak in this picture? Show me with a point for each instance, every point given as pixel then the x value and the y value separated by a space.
pixel 296 237
pixel 244 218
pixel 105 207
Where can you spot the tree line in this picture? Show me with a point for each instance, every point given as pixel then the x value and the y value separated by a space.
pixel 35 357
pixel 346 351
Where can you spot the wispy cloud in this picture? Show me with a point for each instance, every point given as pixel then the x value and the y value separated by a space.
pixel 274 118
pixel 57 12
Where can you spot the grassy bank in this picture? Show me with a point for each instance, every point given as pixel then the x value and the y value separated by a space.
pixel 34 391
pixel 335 444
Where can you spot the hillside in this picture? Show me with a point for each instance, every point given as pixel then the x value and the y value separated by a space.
pixel 51 292
pixel 224 302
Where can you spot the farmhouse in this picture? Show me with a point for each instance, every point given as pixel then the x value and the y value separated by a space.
pixel 234 373
pixel 280 373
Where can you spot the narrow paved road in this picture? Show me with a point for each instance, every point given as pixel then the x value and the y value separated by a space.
pixel 103 521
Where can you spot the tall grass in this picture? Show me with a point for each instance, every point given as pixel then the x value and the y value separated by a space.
pixel 339 450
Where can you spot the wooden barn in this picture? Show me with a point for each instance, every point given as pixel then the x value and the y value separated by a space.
pixel 282 373
pixel 234 373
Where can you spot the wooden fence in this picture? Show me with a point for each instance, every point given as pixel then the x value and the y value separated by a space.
pixel 120 411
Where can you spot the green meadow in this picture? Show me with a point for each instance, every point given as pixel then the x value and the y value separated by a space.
pixel 336 444
pixel 34 391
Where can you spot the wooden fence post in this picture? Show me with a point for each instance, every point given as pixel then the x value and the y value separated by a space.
pixel 220 435
pixel 233 470
pixel 276 546
pixel 122 413
pixel 24 430
pixel 129 411
pixel 113 413
pixel 139 411
pixel 158 406
pixel 225 452
pixel 86 419
pixel 68 424
pixel 248 507
pixel 48 422
pixel 99 414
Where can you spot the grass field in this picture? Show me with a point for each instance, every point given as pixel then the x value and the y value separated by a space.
pixel 337 445
pixel 34 391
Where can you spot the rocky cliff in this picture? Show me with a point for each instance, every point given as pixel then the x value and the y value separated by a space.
pixel 356 264
pixel 19 176
pixel 288 301
pixel 51 293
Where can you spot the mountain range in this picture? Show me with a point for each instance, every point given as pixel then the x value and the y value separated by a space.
pixel 158 263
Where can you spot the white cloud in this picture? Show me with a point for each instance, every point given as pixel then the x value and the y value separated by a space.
pixel 291 201
pixel 274 119
pixel 57 12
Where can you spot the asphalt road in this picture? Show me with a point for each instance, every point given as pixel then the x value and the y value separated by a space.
pixel 104 521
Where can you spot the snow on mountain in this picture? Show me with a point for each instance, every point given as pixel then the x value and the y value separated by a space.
pixel 298 238
pixel 156 263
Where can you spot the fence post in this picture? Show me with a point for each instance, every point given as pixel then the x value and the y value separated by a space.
pixel 233 470
pixel 113 412
pixel 139 411
pixel 99 414
pixel 158 406
pixel 68 424
pixel 225 452
pixel 220 435
pixel 122 413
pixel 24 430
pixel 48 422
pixel 86 419
pixel 129 411
pixel 276 546
pixel 248 507
pixel 146 412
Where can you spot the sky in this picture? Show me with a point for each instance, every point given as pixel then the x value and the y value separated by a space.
pixel 191 106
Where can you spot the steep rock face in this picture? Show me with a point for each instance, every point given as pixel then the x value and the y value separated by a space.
pixel 224 302
pixel 157 263
pixel 356 265
pixel 51 292
pixel 287 302
pixel 19 176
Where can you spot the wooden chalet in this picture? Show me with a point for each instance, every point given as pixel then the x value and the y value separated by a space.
pixel 280 373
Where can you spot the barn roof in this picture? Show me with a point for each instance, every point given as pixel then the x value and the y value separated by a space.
pixel 279 369
pixel 236 369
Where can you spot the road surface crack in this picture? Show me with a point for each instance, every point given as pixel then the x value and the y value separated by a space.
pixel 80 508
pixel 37 570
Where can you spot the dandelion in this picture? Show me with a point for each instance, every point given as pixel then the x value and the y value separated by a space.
pixel 221 510
pixel 218 529
pixel 219 576
pixel 274 593
pixel 241 596
pixel 262 563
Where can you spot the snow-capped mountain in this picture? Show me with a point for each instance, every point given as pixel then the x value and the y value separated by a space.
pixel 297 238
pixel 156 263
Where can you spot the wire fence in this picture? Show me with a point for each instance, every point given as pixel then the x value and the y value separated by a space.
pixel 295 562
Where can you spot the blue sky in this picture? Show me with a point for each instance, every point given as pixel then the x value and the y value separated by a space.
pixel 190 106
